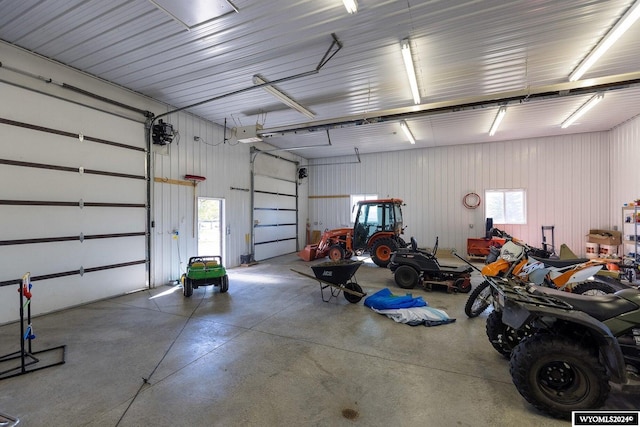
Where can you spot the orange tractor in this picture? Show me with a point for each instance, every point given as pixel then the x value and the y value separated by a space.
pixel 377 230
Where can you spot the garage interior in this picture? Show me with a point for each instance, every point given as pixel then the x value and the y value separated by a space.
pixel 137 134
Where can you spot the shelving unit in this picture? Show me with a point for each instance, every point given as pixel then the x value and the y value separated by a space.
pixel 631 241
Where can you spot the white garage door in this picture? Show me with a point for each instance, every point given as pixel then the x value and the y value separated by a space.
pixel 275 206
pixel 73 204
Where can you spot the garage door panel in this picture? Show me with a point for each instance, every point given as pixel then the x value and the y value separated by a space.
pixel 275 185
pixel 267 200
pixel 26 145
pixel 266 234
pixel 51 294
pixel 46 222
pixel 270 250
pixel 57 257
pixel 274 217
pixel 69 186
pixel 66 116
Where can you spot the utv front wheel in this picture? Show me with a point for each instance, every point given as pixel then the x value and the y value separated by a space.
pixel 187 286
pixel 224 284
pixel 558 376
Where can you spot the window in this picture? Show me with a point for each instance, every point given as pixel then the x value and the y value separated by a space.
pixel 506 206
pixel 355 198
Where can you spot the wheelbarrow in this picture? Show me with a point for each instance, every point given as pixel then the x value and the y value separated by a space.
pixel 337 275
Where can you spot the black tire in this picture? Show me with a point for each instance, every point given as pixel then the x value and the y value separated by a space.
pixel 463 285
pixel 224 284
pixel 381 251
pixel 504 338
pixel 336 253
pixel 406 277
pixel 187 286
pixel 353 287
pixel 479 300
pixel 557 375
pixel 593 288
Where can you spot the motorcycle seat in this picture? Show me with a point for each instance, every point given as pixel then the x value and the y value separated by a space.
pixel 561 263
pixel 601 307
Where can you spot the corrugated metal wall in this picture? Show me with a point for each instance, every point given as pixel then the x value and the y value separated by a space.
pixel 226 167
pixel 566 179
pixel 625 161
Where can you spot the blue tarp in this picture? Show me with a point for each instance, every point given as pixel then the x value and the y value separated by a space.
pixel 406 309
pixel 385 300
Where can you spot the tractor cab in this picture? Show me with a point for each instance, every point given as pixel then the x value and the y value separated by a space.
pixel 374 217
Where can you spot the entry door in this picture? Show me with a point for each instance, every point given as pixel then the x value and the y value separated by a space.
pixel 210 226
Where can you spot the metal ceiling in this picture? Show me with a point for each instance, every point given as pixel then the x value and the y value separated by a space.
pixel 471 57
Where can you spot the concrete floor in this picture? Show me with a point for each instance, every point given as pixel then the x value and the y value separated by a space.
pixel 269 352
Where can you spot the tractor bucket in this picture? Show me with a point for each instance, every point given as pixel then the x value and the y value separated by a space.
pixel 308 253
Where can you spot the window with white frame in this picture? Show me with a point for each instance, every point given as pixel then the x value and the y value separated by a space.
pixel 355 198
pixel 506 206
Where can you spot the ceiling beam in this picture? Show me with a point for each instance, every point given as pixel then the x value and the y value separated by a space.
pixel 580 87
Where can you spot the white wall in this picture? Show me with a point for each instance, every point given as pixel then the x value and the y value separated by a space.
pixel 566 179
pixel 625 182
pixel 224 165
pixel 625 163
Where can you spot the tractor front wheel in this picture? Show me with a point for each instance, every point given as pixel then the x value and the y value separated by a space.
pixel 336 253
pixel 381 251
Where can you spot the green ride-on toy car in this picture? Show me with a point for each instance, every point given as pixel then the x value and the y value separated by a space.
pixel 204 271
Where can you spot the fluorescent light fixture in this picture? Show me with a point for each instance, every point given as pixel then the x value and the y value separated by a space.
pixel 607 41
pixel 258 79
pixel 407 131
pixel 496 122
pixel 583 109
pixel 411 72
pixel 351 5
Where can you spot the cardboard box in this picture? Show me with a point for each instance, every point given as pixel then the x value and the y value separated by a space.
pixel 605 237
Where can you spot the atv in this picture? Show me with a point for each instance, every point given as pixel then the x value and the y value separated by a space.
pixel 412 266
pixel 204 271
pixel 575 345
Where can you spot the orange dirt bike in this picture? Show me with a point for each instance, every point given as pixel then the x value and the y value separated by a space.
pixel 532 265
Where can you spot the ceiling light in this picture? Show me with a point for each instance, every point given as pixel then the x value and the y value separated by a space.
pixel 633 13
pixel 407 131
pixel 411 72
pixel 351 5
pixel 583 109
pixel 496 122
pixel 258 79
